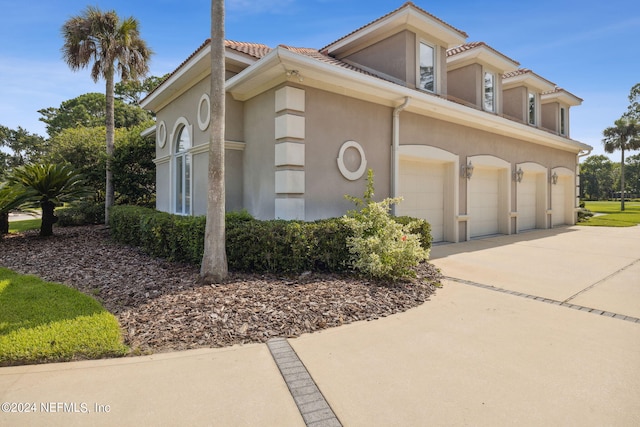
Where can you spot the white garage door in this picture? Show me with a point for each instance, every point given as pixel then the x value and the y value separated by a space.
pixel 559 196
pixel 527 202
pixel 483 202
pixel 422 187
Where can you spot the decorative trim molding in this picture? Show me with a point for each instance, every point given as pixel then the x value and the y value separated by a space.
pixel 162 134
pixel 228 145
pixel 204 100
pixel 162 160
pixel 352 176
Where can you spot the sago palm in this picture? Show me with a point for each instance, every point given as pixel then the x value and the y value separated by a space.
pixel 624 136
pixel 51 185
pixel 11 198
pixel 114 47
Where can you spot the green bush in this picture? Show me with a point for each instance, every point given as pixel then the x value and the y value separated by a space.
pixel 381 247
pixel 274 246
pixel 81 213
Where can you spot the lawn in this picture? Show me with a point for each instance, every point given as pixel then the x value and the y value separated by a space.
pixel 49 322
pixel 24 225
pixel 613 216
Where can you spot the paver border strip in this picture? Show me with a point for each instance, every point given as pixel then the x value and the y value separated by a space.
pixel 545 300
pixel 313 407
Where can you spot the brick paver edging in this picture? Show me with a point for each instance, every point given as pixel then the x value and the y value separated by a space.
pixel 312 405
pixel 547 300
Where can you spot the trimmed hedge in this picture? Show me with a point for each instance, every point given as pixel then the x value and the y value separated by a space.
pixel 275 246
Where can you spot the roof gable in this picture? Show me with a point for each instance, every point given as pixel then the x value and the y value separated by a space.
pixel 406 16
pixel 526 77
pixel 475 52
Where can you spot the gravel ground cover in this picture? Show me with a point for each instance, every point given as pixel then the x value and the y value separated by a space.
pixel 161 305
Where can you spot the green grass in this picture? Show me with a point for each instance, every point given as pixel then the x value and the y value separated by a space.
pixel 49 322
pixel 24 225
pixel 613 216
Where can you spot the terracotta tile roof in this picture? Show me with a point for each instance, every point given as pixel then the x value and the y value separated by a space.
pixel 316 54
pixel 472 45
pixel 406 5
pixel 558 90
pixel 257 50
pixel 516 73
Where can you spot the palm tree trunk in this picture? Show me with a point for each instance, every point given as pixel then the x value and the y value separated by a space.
pixel 622 180
pixel 214 260
pixel 110 125
pixel 4 223
pixel 48 218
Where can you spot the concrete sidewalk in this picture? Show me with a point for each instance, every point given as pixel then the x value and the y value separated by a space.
pixel 481 352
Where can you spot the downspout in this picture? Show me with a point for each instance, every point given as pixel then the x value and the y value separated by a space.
pixel 395 144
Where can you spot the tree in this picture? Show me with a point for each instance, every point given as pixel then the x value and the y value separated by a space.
pixel 23 147
pixel 51 185
pixel 214 260
pixel 132 91
pixel 88 110
pixel 113 46
pixel 132 162
pixel 11 198
pixel 596 177
pixel 625 135
pixel 634 102
pixel 632 170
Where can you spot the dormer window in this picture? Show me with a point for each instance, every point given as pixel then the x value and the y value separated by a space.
pixel 489 92
pixel 532 108
pixel 427 74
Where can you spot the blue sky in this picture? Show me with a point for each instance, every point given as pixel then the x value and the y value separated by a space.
pixel 590 49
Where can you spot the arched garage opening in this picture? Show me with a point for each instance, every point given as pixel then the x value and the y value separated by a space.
pixel 531 197
pixel 428 184
pixel 563 195
pixel 489 196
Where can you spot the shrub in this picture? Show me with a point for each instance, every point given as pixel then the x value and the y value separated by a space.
pixel 81 213
pixel 380 247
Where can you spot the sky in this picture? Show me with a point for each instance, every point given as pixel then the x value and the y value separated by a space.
pixel 590 49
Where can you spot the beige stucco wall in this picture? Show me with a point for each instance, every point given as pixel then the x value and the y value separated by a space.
pixel 514 103
pixel 388 56
pixel 464 84
pixel 259 170
pixel 551 116
pixel 186 107
pixel 331 120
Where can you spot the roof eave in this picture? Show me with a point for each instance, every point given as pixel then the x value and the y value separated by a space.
pixel 272 70
pixel 483 55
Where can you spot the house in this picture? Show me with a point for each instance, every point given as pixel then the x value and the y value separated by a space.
pixel 473 143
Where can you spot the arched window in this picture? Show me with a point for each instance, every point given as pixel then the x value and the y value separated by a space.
pixel 182 172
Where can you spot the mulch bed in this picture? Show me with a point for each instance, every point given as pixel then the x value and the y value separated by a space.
pixel 162 306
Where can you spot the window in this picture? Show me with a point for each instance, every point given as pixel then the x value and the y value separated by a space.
pixel 183 172
pixel 563 122
pixel 427 68
pixel 532 108
pixel 489 100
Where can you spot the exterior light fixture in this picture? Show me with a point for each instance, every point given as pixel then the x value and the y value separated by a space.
pixel 554 178
pixel 518 175
pixel 467 170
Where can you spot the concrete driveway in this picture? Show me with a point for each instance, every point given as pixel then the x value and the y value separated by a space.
pixel 535 329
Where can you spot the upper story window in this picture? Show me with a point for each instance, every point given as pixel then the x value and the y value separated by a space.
pixel 427 68
pixel 489 92
pixel 532 105
pixel 182 176
pixel 563 121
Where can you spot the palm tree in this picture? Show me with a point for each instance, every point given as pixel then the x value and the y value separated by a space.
pixel 114 47
pixel 214 259
pixel 50 186
pixel 625 135
pixel 11 198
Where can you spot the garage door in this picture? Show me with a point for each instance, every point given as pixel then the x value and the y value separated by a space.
pixel 527 202
pixel 559 196
pixel 422 187
pixel 483 202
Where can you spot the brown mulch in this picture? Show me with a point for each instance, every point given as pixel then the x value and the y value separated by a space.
pixel 161 305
